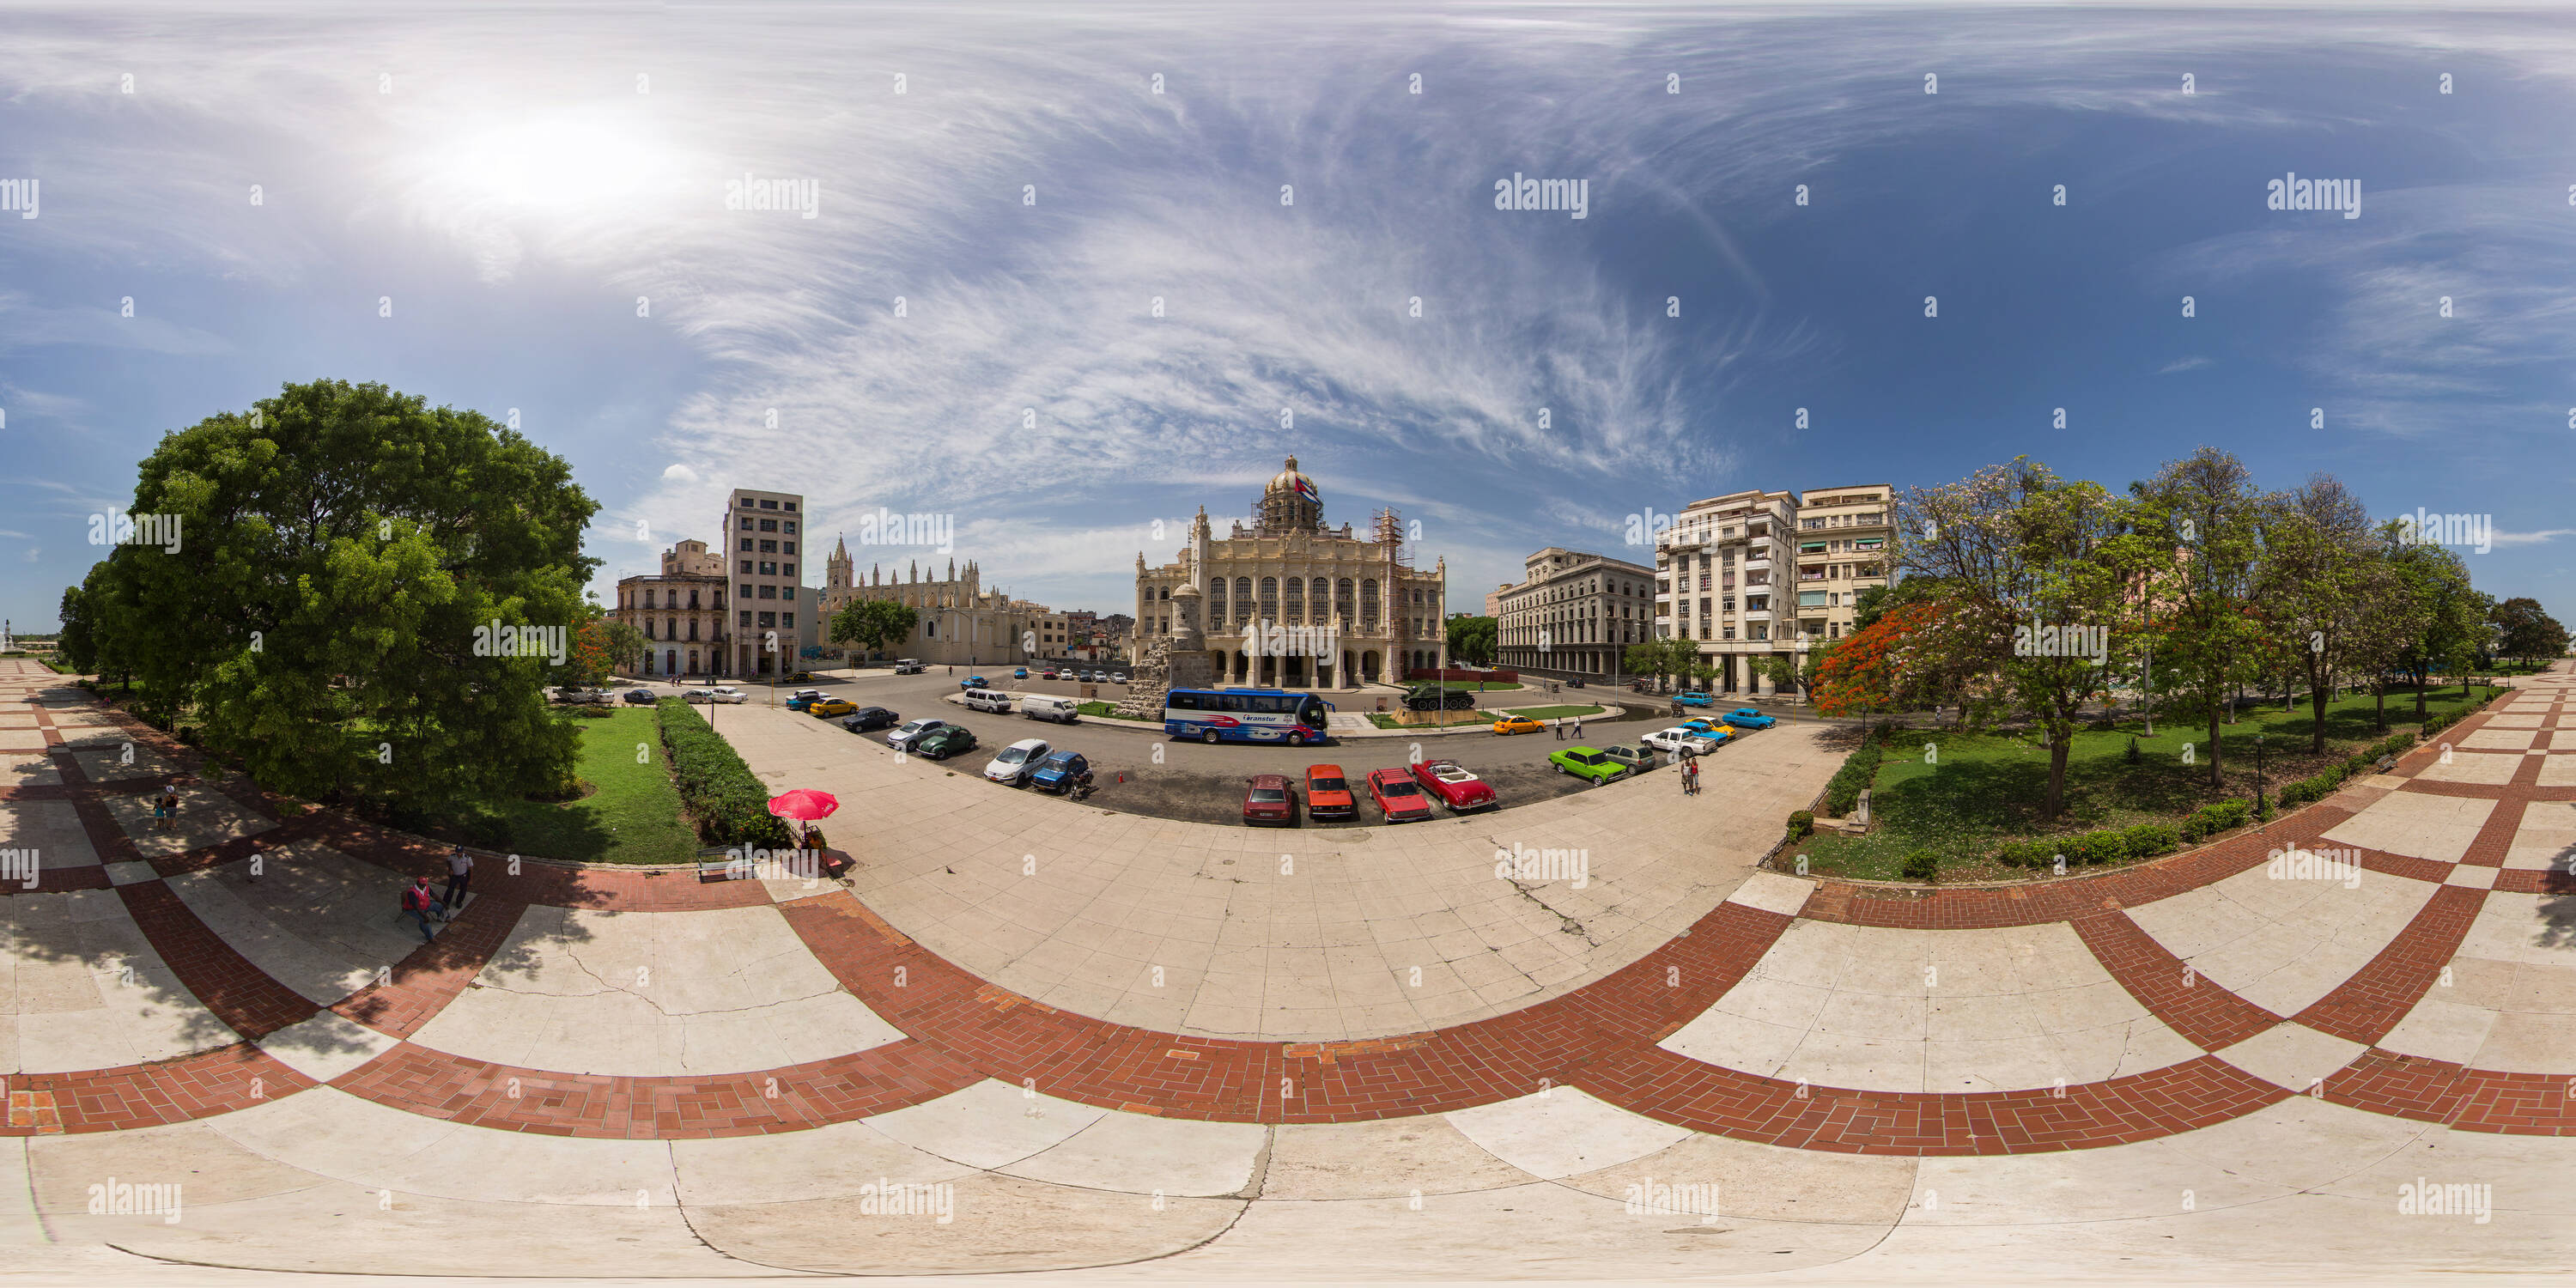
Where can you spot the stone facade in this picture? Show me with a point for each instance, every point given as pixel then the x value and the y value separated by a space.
pixel 960 623
pixel 1290 603
pixel 682 613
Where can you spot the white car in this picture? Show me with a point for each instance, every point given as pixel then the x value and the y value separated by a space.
pixel 1016 760
pixel 904 734
pixel 1681 738
pixel 727 694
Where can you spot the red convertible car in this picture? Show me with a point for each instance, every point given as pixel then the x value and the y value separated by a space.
pixel 1458 789
pixel 1397 796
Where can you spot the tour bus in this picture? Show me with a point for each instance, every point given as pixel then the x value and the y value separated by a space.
pixel 1245 715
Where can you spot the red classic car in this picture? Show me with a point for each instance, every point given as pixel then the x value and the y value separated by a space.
pixel 1398 796
pixel 1266 800
pixel 1328 794
pixel 1454 785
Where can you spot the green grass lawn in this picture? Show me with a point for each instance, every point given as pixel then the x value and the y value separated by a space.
pixel 631 814
pixel 1973 792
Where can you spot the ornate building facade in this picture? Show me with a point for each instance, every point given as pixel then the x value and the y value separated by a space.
pixel 1574 613
pixel 1294 604
pixel 959 622
pixel 682 612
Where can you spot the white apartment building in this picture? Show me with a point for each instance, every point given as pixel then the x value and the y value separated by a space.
pixel 1573 613
pixel 764 532
pixel 1756 574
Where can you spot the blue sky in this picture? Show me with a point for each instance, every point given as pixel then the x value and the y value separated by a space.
pixel 519 188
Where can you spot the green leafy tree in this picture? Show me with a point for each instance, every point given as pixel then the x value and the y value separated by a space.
pixel 2525 631
pixel 2319 569
pixel 873 624
pixel 2453 613
pixel 77 644
pixel 2028 556
pixel 1471 640
pixel 330 616
pixel 2205 516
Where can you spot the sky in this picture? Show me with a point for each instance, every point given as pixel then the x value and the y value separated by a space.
pixel 1073 272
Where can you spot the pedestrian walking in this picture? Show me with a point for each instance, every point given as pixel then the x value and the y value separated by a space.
pixel 165 811
pixel 460 874
pixel 1559 727
pixel 420 905
pixel 1690 777
pixel 1578 728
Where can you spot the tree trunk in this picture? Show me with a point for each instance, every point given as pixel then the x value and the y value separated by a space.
pixel 2421 676
pixel 2379 691
pixel 2214 780
pixel 2058 744
pixel 2316 721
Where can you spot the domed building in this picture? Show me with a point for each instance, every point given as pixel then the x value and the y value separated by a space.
pixel 1291 603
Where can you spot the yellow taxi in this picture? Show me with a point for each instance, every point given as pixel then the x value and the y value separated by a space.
pixel 826 707
pixel 1517 724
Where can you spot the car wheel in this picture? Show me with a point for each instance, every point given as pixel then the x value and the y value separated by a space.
pixel 1296 740
pixel 1209 737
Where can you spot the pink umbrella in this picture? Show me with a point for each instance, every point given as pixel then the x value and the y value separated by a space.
pixel 804 803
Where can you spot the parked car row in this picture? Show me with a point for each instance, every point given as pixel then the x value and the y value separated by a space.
pixel 1079 676
pixel 1401 795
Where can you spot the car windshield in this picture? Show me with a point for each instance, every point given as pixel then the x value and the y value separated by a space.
pixel 1327 785
pixel 1582 757
pixel 1399 789
pixel 1012 755
pixel 1268 794
pixel 918 726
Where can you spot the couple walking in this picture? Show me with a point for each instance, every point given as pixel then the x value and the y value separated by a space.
pixel 1690 774
pixel 419 905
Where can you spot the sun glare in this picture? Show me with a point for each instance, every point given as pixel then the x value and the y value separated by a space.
pixel 564 163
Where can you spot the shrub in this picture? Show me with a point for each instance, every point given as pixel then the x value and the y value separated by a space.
pixel 1860 769
pixel 1921 865
pixel 2133 756
pixel 2109 846
pixel 2147 840
pixel 2210 820
pixel 1801 825
pixel 731 804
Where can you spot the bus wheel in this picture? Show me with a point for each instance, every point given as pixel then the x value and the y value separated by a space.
pixel 1208 737
pixel 1296 740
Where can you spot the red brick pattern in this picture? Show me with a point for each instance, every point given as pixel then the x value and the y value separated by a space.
pixel 147 1095
pixel 423 983
pixel 224 982
pixel 438 1085
pixel 2406 1086
pixel 2367 1005
pixel 1728 1102
pixel 2190 1004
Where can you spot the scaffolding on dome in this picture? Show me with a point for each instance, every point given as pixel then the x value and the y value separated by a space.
pixel 1388 530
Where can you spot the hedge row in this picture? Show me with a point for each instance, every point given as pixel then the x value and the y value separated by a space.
pixel 2359 762
pixel 1842 792
pixel 2110 845
pixel 731 804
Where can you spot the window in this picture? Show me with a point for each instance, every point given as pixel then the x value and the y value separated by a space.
pixel 747 546
pixel 746 613
pixel 791 523
pixel 791 546
pixel 768 505
pixel 1296 605
pixel 787 620
pixel 1270 599
pixel 768 592
pixel 769 619
pixel 746 504
pixel 769 547
pixel 1182 700
pixel 746 594
pixel 791 509
pixel 789 570
pixel 768 568
pixel 769 525
pixel 1242 600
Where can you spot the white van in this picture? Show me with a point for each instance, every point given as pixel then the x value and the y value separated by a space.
pixel 992 700
pixel 1045 706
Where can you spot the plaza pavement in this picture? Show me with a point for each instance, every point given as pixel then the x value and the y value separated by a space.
pixel 2189 1068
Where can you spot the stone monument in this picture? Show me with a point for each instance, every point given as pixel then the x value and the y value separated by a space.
pixel 1180 662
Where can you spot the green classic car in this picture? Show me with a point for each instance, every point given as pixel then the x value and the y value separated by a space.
pixel 1587 762
pixel 943 742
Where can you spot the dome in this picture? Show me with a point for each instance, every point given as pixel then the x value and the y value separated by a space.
pixel 1293 483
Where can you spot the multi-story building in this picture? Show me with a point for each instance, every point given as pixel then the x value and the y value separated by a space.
pixel 1293 603
pixel 682 612
pixel 1573 613
pixel 1845 544
pixel 956 621
pixel 772 615
pixel 1494 600
pixel 1736 574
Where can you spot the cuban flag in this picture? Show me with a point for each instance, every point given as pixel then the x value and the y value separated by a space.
pixel 1306 489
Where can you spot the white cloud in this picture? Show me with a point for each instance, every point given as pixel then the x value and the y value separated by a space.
pixel 2532 538
pixel 2192 363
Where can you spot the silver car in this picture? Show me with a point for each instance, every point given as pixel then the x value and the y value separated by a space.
pixel 910 730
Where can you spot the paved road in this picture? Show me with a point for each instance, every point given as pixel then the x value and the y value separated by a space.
pixel 1140 772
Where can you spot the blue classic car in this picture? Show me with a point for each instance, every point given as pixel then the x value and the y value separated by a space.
pixel 1020 674
pixel 1695 699
pixel 1748 718
pixel 1059 771
pixel 973 682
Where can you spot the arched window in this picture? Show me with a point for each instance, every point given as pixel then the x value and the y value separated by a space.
pixel 1368 604
pixel 1270 599
pixel 1295 610
pixel 1342 606
pixel 1216 601
pixel 1322 589
pixel 1163 593
pixel 1242 600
